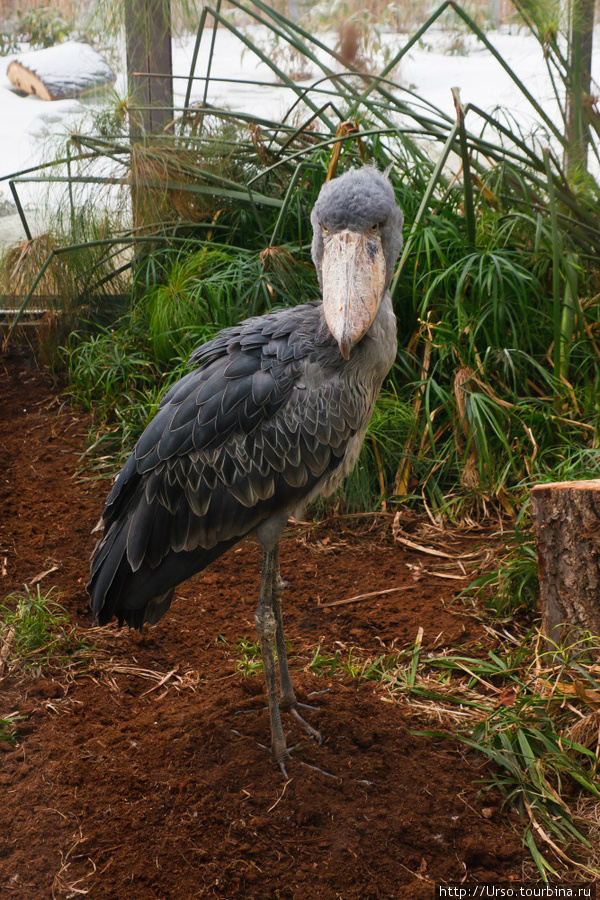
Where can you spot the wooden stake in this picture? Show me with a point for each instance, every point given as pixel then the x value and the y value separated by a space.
pixel 566 521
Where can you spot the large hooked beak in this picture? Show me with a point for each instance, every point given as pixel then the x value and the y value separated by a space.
pixel 353 285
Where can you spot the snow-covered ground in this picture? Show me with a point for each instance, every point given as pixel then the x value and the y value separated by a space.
pixel 27 123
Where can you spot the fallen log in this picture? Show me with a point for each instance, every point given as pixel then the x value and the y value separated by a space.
pixel 566 522
pixel 56 73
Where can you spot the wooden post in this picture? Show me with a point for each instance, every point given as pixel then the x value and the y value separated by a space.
pixel 579 100
pixel 150 89
pixel 148 39
pixel 566 522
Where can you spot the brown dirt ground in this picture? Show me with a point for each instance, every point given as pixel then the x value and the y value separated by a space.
pixel 128 784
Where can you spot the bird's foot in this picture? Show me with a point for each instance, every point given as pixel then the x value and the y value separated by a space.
pixel 281 754
pixel 289 703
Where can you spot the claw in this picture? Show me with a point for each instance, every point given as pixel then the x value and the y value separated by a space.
pixel 282 754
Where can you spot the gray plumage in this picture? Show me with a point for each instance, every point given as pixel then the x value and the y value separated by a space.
pixel 271 416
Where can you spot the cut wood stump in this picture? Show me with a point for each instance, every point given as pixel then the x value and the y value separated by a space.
pixel 566 522
pixel 56 73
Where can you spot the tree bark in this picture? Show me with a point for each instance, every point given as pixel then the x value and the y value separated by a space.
pixel 566 521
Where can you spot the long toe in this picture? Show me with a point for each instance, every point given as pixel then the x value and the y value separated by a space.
pixel 299 705
pixel 306 725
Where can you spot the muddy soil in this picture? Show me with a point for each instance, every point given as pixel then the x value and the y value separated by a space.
pixel 142 772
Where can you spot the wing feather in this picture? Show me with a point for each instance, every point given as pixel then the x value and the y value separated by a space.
pixel 246 435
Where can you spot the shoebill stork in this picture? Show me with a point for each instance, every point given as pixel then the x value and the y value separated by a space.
pixel 272 415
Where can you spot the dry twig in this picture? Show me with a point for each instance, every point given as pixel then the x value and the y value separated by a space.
pixel 402 587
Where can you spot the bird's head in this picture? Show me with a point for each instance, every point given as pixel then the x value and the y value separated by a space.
pixel 357 236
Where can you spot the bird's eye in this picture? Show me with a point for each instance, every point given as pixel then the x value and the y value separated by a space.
pixel 324 230
pixel 375 227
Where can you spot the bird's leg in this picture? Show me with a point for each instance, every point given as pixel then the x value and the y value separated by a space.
pixel 288 697
pixel 266 626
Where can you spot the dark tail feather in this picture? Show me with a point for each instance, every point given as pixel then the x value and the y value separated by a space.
pixel 144 595
pixel 150 614
pixel 109 570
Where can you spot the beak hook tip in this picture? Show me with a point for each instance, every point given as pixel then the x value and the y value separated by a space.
pixel 345 347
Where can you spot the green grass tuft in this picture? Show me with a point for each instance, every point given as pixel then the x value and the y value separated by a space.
pixel 36 629
pixel 8 728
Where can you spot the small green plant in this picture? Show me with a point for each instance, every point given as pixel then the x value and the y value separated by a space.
pixel 353 666
pixel 327 666
pixel 513 585
pixel 321 664
pixel 42 26
pixel 33 618
pixel 8 731
pixel 36 627
pixel 249 662
pixel 110 120
pixel 8 43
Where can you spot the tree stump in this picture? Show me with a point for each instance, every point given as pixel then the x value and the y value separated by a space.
pixel 66 70
pixel 566 522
